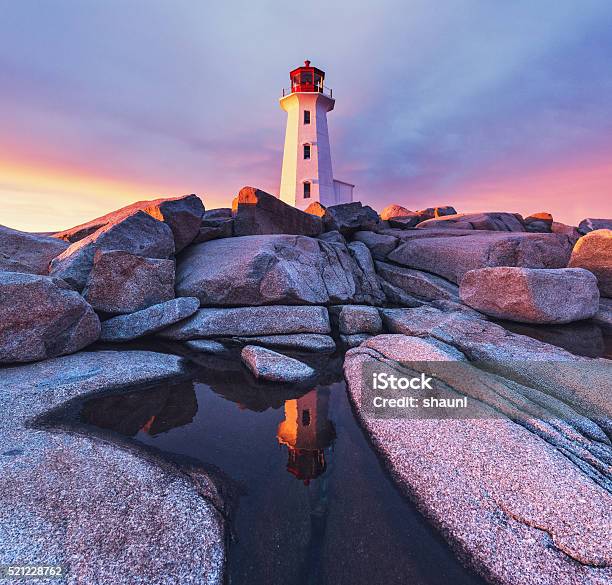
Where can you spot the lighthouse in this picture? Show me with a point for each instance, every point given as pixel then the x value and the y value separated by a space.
pixel 307 174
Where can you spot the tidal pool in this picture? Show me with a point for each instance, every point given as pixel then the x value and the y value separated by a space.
pixel 310 501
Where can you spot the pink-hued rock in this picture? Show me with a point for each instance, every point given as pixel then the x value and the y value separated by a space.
pixel 28 253
pixel 316 208
pixel 594 252
pixel 500 488
pixel 269 365
pixel 591 224
pixel 531 296
pixel 452 257
pixel 138 233
pixel 394 210
pixel 539 222
pixel 42 317
pixel 493 221
pixel 120 282
pixel 566 230
pixel 257 213
pixel 183 216
pixel 348 218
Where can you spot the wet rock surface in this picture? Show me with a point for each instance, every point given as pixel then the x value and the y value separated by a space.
pixel 111 512
pixel 532 296
pixel 42 317
pixel 149 320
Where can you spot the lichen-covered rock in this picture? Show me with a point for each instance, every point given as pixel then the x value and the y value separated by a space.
pixel 138 233
pixel 251 321
pixel 149 320
pixel 120 282
pixel 257 212
pixel 348 218
pixel 591 224
pixel 27 253
pixel 271 366
pixel 183 216
pixel 532 296
pixel 351 319
pixel 494 221
pixel 42 317
pixel 422 285
pixel 451 257
pixel 275 269
pixel 594 252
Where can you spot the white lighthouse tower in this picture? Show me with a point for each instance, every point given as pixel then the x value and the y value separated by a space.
pixel 307 174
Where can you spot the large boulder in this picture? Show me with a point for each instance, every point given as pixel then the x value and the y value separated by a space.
pixel 539 222
pixel 250 321
pixel 394 210
pixel 28 253
pixel 591 224
pixel 182 214
pixel 257 212
pixel 315 208
pixel 594 252
pixel 364 272
pixel 271 366
pixel 380 245
pixel 493 221
pixel 422 285
pixel 42 317
pixel 273 269
pixel 138 233
pixel 532 296
pixel 298 342
pixel 452 257
pixel 120 282
pixel 566 230
pixel 348 218
pixel 149 320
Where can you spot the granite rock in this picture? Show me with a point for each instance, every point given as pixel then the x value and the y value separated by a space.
pixel 492 221
pixel 594 252
pixel 271 366
pixel 352 319
pixel 27 253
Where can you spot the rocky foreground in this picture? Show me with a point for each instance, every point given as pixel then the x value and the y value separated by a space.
pixel 524 496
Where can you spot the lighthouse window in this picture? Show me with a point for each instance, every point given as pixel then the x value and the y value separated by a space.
pixel 306 151
pixel 306 116
pixel 306 190
pixel 306 417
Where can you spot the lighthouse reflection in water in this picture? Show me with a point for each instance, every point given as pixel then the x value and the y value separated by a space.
pixel 307 433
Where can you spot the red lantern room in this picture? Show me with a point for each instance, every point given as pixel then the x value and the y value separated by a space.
pixel 307 79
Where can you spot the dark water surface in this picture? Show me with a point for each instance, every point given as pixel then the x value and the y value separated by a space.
pixel 312 503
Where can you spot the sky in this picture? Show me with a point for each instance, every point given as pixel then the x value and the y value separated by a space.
pixel 486 105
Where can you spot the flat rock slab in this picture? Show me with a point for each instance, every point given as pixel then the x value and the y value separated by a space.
pixel 532 296
pixel 42 317
pixel 251 321
pixel 113 513
pixel 451 257
pixel 594 252
pixel 25 252
pixel 494 221
pixel 423 285
pixel 148 321
pixel 275 269
pixel 120 282
pixel 511 504
pixel 271 366
pixel 306 342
